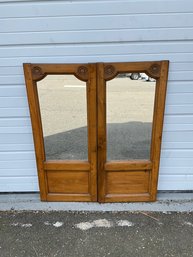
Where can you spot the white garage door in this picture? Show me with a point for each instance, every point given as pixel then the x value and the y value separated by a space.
pixel 95 31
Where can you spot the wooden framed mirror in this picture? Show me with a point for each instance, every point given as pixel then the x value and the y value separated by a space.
pixel 130 122
pixel 65 141
pixel 97 131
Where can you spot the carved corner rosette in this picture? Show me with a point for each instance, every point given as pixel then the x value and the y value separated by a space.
pixel 37 73
pixel 154 70
pixel 109 72
pixel 82 73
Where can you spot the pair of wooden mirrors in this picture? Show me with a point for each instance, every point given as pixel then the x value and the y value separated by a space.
pixel 97 129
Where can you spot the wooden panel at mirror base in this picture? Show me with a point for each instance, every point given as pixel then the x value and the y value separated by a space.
pixel 127 186
pixel 64 185
pixel 121 186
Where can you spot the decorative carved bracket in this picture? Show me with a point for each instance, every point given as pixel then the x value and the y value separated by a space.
pixel 37 73
pixel 109 72
pixel 82 73
pixel 154 71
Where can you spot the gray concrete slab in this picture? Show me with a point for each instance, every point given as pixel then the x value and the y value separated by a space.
pixel 83 234
pixel 167 202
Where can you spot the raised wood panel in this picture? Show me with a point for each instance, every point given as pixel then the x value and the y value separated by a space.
pixel 132 182
pixel 68 182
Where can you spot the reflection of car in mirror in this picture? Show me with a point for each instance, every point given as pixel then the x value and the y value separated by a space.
pixel 137 76
pixel 142 76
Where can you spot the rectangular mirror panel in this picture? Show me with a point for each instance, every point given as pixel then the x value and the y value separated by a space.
pixel 130 104
pixel 63 108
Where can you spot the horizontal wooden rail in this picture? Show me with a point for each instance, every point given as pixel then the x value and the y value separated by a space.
pixel 66 165
pixel 128 165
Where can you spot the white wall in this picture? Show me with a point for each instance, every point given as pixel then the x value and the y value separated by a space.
pixel 95 31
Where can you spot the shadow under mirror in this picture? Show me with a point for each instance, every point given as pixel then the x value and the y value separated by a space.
pixel 63 108
pixel 130 105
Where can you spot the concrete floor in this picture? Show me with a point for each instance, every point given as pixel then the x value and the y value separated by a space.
pixel 166 202
pixel 83 234
pixel 31 228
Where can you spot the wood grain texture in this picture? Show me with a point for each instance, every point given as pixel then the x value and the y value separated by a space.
pixel 159 106
pixel 101 131
pixel 66 178
pixel 66 165
pixel 54 197
pixel 114 198
pixel 67 182
pixel 92 129
pixel 130 178
pixel 37 129
pixel 128 165
pixel 132 182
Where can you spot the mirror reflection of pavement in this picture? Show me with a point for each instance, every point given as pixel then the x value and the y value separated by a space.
pixel 129 116
pixel 126 141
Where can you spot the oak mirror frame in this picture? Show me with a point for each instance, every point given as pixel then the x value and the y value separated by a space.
pixel 97 178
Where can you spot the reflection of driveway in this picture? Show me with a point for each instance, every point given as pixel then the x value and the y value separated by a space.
pixel 129 140
pixel 63 110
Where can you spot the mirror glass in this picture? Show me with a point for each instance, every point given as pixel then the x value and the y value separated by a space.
pixel 63 108
pixel 130 104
